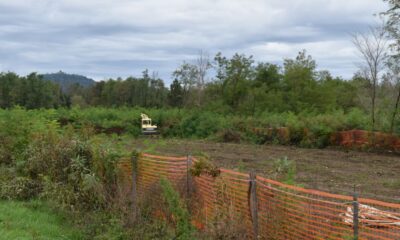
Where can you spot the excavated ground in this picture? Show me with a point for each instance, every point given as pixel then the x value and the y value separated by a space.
pixel 334 170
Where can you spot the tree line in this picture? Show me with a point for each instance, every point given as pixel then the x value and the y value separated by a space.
pixel 30 92
pixel 240 85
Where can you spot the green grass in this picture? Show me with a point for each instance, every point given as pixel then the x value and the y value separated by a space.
pixel 33 221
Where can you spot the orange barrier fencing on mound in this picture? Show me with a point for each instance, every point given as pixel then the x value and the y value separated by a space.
pixel 362 138
pixel 266 208
pixel 348 139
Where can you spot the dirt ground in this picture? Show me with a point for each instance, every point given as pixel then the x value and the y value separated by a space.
pixel 334 170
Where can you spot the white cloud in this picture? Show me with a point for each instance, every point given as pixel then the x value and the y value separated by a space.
pixel 337 56
pixel 104 38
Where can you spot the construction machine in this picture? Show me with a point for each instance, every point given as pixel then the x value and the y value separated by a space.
pixel 147 127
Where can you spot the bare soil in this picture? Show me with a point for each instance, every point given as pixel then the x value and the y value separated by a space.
pixel 334 170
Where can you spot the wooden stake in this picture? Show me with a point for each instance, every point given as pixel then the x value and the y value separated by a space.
pixel 355 214
pixel 253 202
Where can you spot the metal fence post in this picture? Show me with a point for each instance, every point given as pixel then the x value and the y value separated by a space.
pixel 355 215
pixel 253 202
pixel 188 176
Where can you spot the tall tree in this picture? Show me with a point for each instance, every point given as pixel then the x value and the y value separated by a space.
pixel 187 75
pixel 394 77
pixel 267 82
pixel 175 95
pixel 269 75
pixel 234 74
pixel 300 82
pixel 203 65
pixel 8 83
pixel 372 47
pixel 392 25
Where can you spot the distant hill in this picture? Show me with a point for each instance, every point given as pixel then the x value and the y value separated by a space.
pixel 65 80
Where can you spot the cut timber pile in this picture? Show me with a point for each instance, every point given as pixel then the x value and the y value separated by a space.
pixel 372 217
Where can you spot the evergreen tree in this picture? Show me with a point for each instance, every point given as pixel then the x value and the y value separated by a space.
pixel 175 96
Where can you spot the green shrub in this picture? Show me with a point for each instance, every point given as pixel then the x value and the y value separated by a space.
pixel 228 135
pixel 204 166
pixel 183 229
pixel 20 188
pixel 357 119
pixel 200 125
pixel 285 169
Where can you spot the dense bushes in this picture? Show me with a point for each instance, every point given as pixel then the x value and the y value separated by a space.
pixel 69 168
pixel 57 156
pixel 24 131
pixel 52 159
pixel 196 123
pixel 75 171
pixel 307 129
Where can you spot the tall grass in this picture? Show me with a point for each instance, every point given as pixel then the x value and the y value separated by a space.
pixel 183 229
pixel 34 220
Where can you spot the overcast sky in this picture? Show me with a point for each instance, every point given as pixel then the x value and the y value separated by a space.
pixel 110 38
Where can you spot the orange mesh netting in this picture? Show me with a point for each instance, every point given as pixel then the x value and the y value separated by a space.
pixel 362 138
pixel 283 211
pixel 151 169
pixel 225 196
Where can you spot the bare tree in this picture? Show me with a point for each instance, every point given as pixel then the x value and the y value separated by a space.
pixel 203 64
pixel 192 76
pixel 372 47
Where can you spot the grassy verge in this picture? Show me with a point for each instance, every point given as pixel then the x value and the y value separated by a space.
pixel 34 221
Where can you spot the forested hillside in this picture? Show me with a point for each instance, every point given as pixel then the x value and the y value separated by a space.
pixel 67 81
pixel 30 92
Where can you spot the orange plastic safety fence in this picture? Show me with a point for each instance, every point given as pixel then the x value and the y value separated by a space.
pixel 225 196
pixel 284 211
pixel 151 168
pixel 362 138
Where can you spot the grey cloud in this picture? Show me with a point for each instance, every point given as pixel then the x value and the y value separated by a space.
pixel 104 38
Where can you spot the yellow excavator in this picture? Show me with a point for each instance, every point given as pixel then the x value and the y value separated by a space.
pixel 147 127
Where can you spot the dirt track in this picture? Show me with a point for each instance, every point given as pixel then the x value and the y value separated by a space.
pixel 337 171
